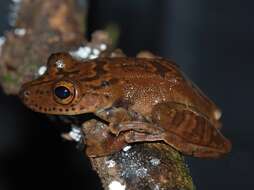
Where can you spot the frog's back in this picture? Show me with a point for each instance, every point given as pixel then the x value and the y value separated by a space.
pixel 148 81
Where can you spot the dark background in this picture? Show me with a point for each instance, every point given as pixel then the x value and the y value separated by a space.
pixel 213 43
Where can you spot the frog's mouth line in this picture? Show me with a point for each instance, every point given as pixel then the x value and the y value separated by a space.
pixel 77 120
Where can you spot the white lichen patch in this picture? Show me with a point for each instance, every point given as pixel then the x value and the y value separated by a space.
pixel 126 148
pixel 96 52
pixel 156 187
pixel 20 31
pixel 88 52
pixel 141 172
pixel 110 163
pixel 134 167
pixel 42 70
pixel 81 53
pixel 75 134
pixel 60 64
pixel 103 47
pixel 155 161
pixel 92 56
pixel 116 185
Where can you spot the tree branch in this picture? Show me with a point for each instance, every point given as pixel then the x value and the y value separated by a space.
pixel 144 166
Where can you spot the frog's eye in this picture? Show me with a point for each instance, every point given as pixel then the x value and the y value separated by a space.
pixel 64 92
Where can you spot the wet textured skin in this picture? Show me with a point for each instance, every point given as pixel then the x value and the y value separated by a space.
pixel 142 99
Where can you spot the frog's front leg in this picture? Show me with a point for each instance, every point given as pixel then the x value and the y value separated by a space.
pixel 99 141
pixel 114 115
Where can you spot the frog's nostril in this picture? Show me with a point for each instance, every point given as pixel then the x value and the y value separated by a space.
pixel 26 93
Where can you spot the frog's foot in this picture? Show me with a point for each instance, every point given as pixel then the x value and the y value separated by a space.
pixel 73 135
pixel 99 141
pixel 138 126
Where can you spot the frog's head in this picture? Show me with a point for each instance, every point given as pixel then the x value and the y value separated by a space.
pixel 68 87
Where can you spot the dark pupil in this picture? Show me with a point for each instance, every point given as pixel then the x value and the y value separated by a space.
pixel 62 92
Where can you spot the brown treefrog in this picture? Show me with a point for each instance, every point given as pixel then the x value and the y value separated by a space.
pixel 139 99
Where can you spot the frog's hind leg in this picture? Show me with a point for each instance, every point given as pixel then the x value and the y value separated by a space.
pixel 189 132
pixel 174 141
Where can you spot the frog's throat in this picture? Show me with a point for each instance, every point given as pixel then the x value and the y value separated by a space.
pixel 78 120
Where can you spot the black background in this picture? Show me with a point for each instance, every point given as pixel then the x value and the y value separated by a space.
pixel 213 43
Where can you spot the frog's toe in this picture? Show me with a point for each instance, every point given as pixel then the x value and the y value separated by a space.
pixel 133 137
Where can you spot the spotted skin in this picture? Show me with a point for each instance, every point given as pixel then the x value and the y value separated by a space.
pixel 148 90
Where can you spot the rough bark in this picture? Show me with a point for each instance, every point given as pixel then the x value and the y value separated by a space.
pixel 150 166
pixel 41 28
pixel 47 26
